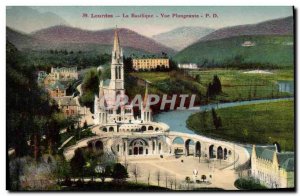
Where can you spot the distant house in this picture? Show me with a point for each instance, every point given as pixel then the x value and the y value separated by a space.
pixel 65 73
pixel 248 44
pixel 150 63
pixel 56 89
pixel 61 74
pixel 41 76
pixel 67 105
pixel 188 66
pixel 272 168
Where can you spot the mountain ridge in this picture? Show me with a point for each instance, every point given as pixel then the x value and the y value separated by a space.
pixel 279 26
pixel 61 36
pixel 128 38
pixel 184 36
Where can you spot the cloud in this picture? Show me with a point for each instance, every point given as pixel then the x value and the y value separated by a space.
pixel 27 19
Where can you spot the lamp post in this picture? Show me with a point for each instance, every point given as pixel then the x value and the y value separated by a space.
pixel 195 172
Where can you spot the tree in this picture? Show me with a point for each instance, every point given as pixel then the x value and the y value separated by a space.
pixel 63 168
pixel 136 173
pixel 158 175
pixel 85 126
pixel 209 91
pixel 148 178
pixel 217 85
pixel 188 181
pixel 175 183
pixel 106 173
pixel 77 163
pixel 203 177
pixel 198 78
pixel 214 88
pixel 128 66
pixel 119 172
pixel 204 119
pixel 90 87
pixel 53 126
pixel 245 134
pixel 216 119
pixel 171 182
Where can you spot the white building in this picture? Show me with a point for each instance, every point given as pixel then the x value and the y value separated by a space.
pixel 248 44
pixel 188 66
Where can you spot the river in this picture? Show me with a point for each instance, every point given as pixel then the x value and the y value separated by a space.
pixel 176 119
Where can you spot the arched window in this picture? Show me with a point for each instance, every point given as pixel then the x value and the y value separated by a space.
pixel 138 146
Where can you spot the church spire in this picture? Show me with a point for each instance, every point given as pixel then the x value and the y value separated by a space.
pixel 146 96
pixel 116 48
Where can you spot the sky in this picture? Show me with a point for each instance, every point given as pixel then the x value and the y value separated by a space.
pixel 72 16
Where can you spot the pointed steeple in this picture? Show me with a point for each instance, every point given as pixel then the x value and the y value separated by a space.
pixel 146 96
pixel 116 48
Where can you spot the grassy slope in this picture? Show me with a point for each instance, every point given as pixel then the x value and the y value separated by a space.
pixel 266 123
pixel 170 83
pixel 236 85
pixel 268 49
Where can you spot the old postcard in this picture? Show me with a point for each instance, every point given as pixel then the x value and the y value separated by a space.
pixel 164 99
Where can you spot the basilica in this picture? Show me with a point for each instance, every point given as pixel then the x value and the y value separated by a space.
pixel 136 135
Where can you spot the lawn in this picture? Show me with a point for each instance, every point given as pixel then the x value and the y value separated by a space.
pixel 152 76
pixel 253 124
pixel 173 82
pixel 236 85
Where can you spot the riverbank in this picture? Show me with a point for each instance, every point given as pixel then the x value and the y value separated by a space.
pixel 260 123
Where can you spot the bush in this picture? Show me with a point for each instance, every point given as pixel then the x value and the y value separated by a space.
pixel 119 173
pixel 248 184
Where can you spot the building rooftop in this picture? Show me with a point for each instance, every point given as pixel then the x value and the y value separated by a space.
pixel 65 101
pixel 57 85
pixel 149 57
pixel 62 69
pixel 285 159
pixel 265 151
